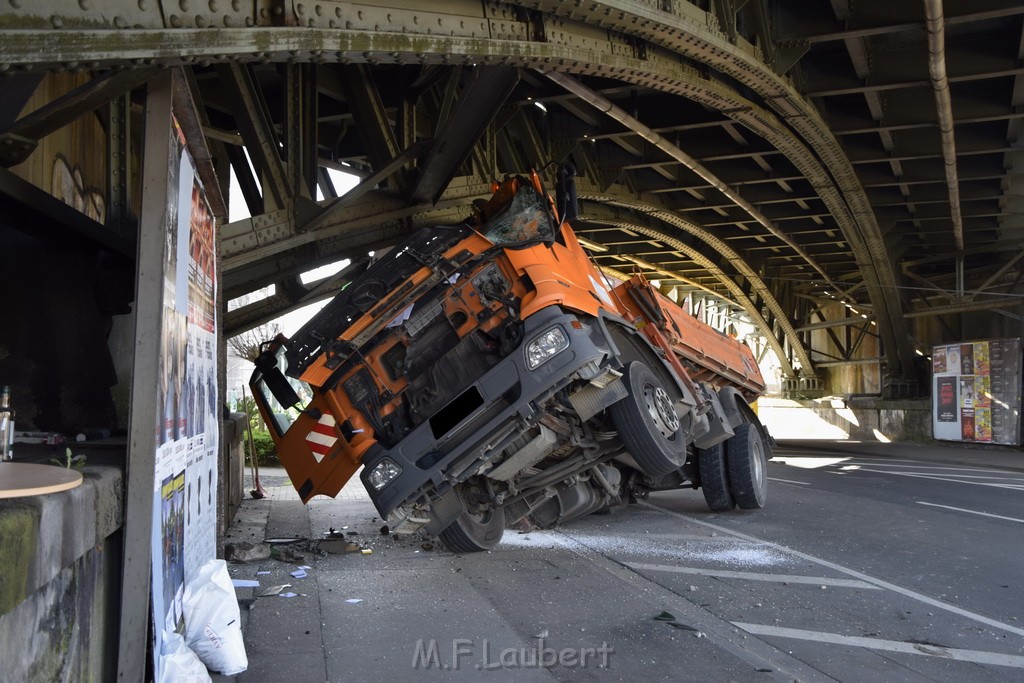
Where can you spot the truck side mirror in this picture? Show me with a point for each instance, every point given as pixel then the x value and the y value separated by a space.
pixel 267 364
pixel 566 200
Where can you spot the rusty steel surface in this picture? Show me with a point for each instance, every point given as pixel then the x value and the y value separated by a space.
pixel 786 157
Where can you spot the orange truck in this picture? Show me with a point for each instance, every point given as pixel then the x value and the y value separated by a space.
pixel 487 374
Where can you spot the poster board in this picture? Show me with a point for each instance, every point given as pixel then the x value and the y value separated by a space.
pixel 976 391
pixel 171 509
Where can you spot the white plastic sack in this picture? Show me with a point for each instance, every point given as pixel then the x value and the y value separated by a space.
pixel 213 628
pixel 178 664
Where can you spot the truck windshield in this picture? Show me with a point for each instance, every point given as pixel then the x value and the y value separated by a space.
pixel 525 220
pixel 278 398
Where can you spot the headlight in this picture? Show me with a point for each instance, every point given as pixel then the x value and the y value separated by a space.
pixel 383 473
pixel 545 347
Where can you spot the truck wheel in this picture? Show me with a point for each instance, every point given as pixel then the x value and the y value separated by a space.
pixel 647 422
pixel 714 480
pixel 480 526
pixel 747 467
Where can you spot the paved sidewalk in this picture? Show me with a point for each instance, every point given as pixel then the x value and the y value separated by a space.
pixel 974 455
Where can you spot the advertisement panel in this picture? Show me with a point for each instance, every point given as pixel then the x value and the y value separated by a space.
pixel 976 391
pixel 186 431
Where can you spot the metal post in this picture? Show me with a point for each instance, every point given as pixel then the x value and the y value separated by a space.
pixel 138 523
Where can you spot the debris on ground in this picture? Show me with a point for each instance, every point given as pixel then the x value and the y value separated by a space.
pixel 670 619
pixel 286 555
pixel 246 552
pixel 339 546
pixel 273 590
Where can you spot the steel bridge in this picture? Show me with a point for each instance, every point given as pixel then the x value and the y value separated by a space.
pixel 846 174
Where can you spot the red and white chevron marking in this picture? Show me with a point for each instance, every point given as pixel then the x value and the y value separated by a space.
pixel 322 437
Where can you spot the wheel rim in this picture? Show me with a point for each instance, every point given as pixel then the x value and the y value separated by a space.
pixel 660 410
pixel 757 455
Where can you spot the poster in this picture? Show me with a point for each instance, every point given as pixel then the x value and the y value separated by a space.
pixel 947 399
pixel 976 391
pixel 186 433
pixel 966 359
pixel 967 392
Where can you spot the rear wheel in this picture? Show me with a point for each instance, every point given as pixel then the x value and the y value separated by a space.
pixel 747 464
pixel 647 422
pixel 714 479
pixel 478 528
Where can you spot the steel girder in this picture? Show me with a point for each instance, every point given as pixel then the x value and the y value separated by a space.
pixel 776 324
pixel 642 48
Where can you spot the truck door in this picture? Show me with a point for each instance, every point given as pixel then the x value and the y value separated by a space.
pixel 309 441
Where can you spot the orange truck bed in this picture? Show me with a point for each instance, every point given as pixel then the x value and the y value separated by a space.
pixel 712 356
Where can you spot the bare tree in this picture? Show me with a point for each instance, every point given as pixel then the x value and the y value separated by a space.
pixel 247 344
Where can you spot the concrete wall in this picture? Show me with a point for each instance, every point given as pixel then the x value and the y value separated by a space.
pixel 233 469
pixel 863 419
pixel 60 556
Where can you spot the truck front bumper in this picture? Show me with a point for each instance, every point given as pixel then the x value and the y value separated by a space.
pixel 437 456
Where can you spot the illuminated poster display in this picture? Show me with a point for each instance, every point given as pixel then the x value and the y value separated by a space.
pixel 185 435
pixel 976 391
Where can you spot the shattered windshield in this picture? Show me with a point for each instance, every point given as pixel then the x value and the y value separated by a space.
pixel 526 219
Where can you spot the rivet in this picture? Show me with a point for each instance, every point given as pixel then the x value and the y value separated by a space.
pixel 300 8
pixel 175 21
pixel 143 5
pixel 213 5
pixel 236 5
pixel 183 4
pixel 55 20
pixel 119 22
pixel 85 4
pixel 201 21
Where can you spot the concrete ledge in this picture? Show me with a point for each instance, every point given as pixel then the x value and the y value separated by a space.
pixel 40 536
pixel 860 418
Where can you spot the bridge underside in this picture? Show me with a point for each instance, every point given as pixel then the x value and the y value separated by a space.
pixel 845 176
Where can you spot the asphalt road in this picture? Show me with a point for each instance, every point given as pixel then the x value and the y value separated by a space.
pixel 859 569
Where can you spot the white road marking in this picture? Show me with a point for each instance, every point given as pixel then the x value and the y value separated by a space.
pixel 670 537
pixel 798 454
pixel 973 512
pixel 1012 487
pixel 975 656
pixel 850 572
pixel 789 481
pixel 753 576
pixel 756 652
pixel 882 463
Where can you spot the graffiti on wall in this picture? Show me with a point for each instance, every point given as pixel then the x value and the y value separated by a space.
pixel 67 185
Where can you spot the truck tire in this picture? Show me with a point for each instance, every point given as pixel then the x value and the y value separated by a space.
pixel 748 466
pixel 473 533
pixel 647 423
pixel 714 479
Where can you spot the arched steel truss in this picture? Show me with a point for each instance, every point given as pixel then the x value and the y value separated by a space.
pixel 480 51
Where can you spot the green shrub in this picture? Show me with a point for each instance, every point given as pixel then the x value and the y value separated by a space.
pixel 266 454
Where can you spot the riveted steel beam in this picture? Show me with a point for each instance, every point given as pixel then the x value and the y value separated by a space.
pixel 484 92
pixel 19 138
pixel 735 260
pixel 370 115
pixel 257 129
